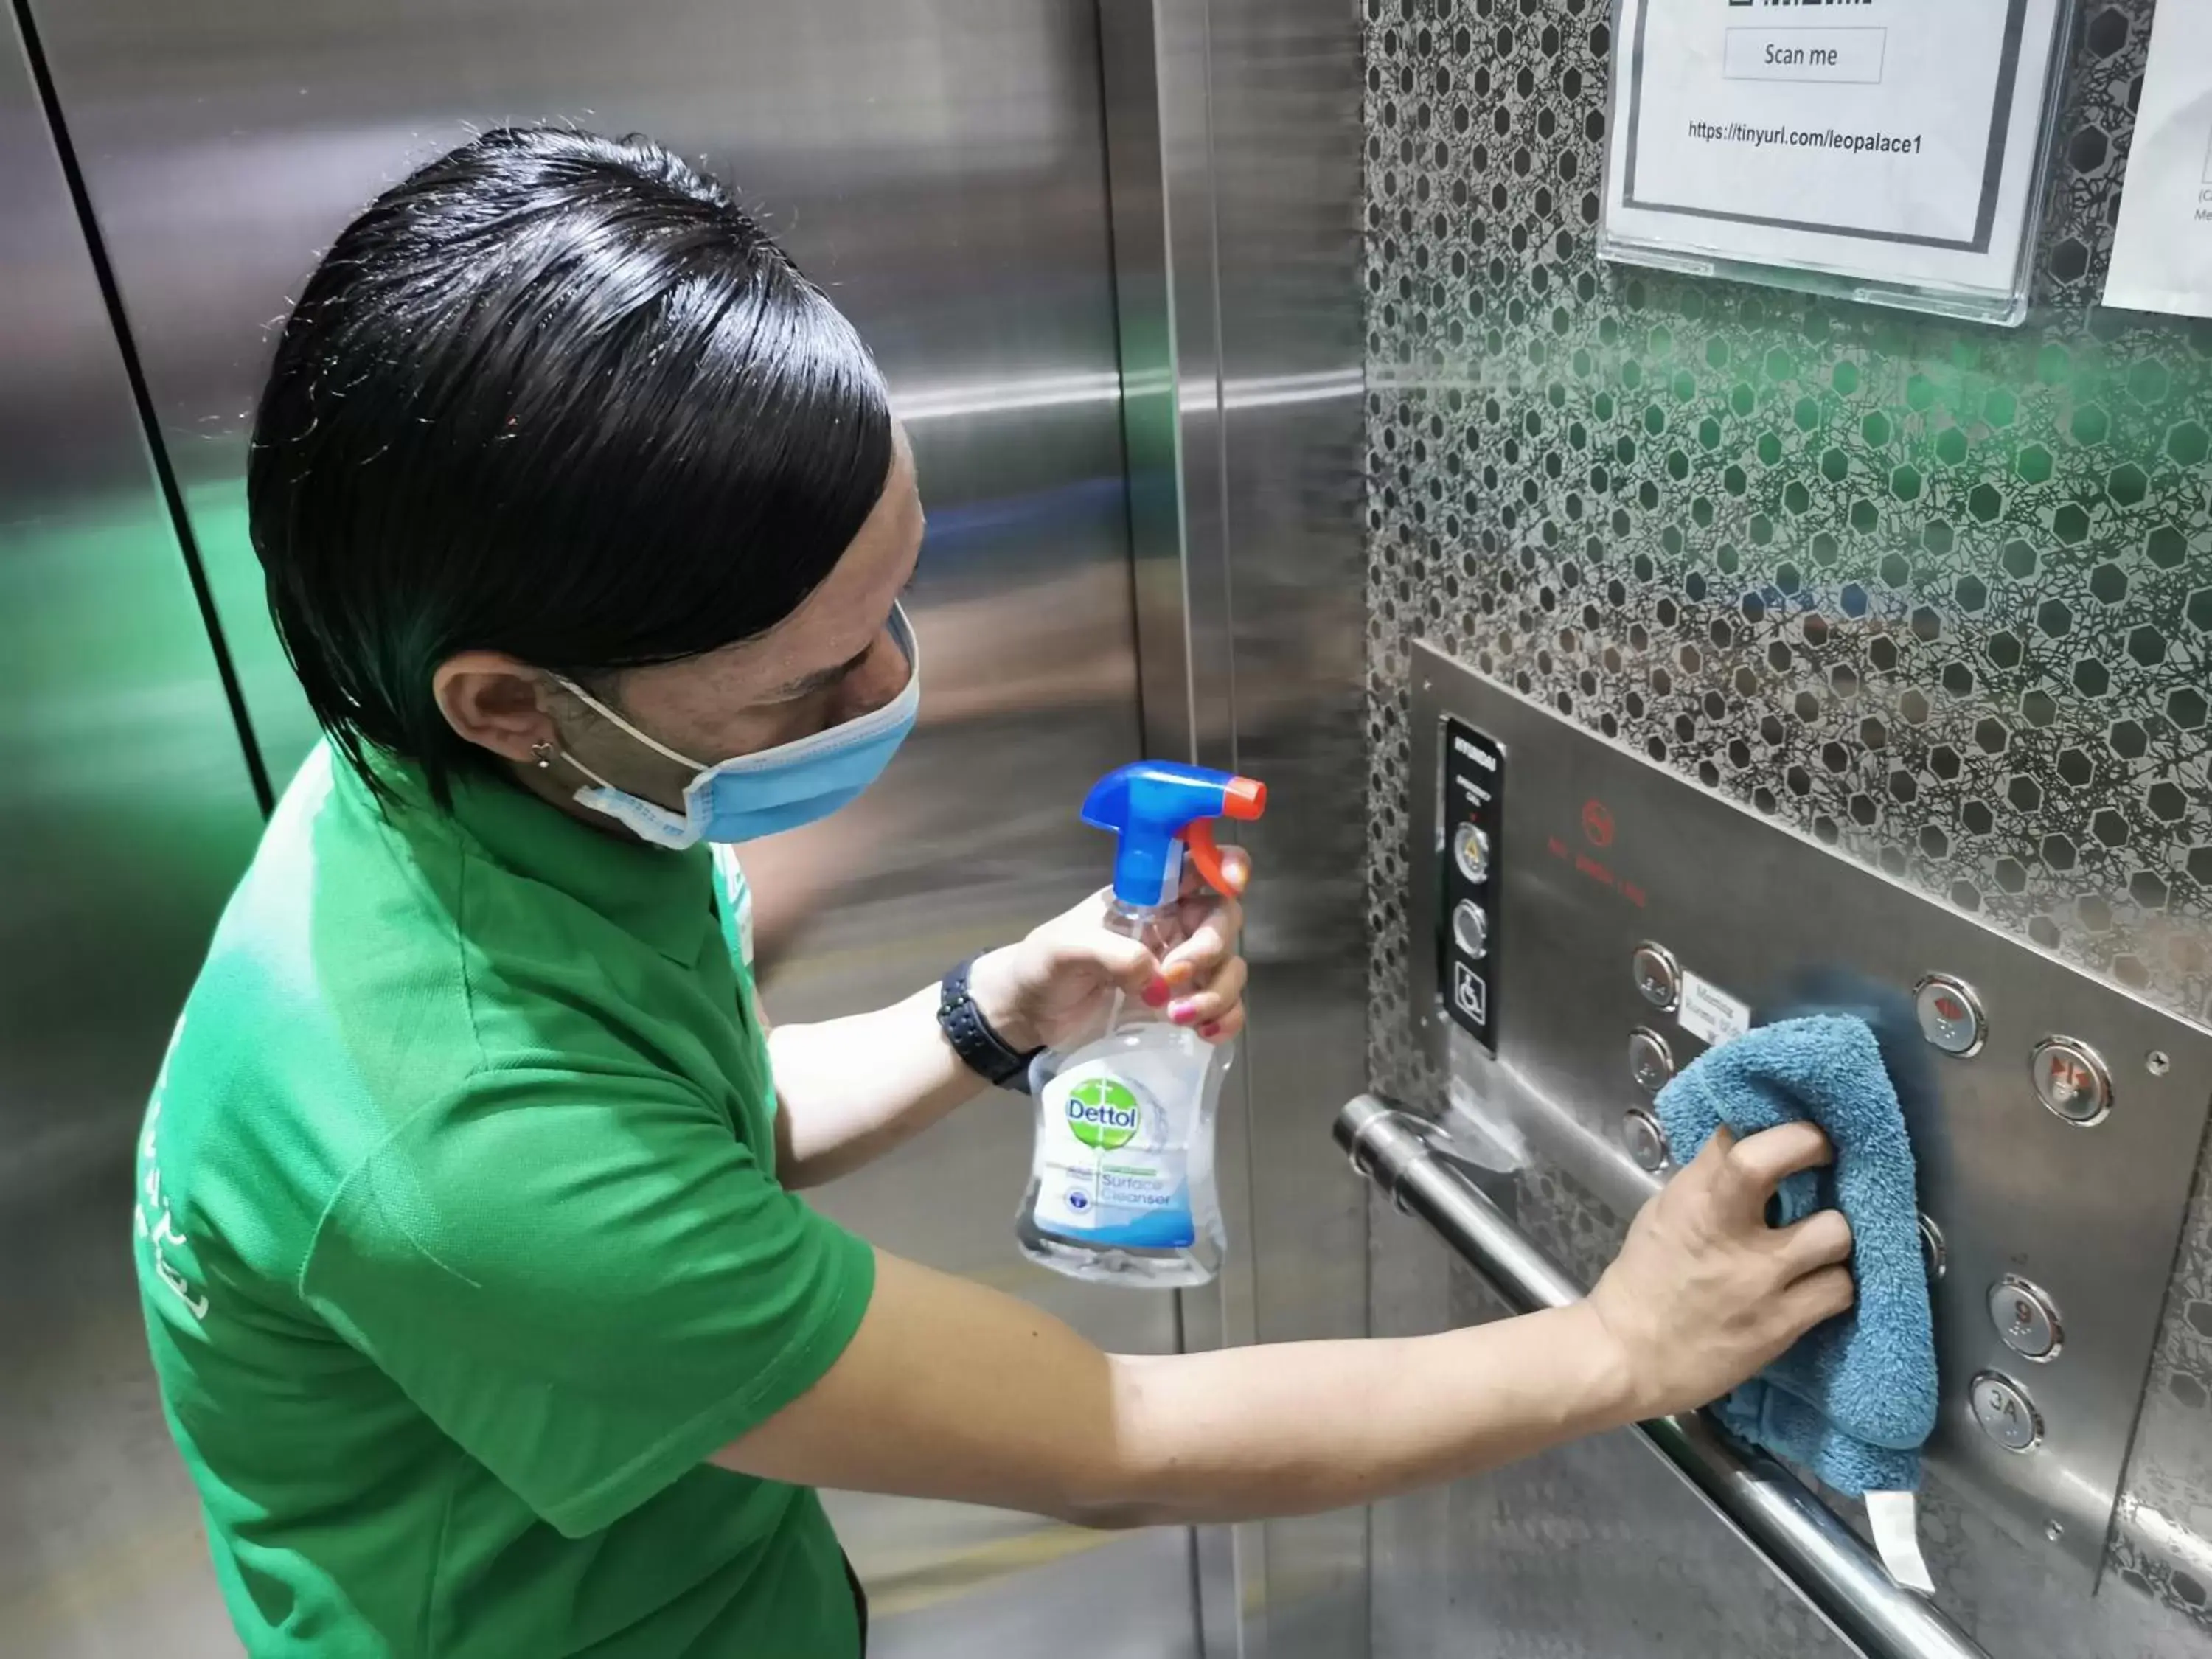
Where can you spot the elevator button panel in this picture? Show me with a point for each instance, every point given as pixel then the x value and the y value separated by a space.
pixel 1658 977
pixel 2005 1412
pixel 1610 895
pixel 2071 1080
pixel 1950 1016
pixel 2026 1321
pixel 1467 942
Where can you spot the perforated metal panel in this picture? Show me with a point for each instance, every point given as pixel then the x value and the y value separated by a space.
pixel 1940 595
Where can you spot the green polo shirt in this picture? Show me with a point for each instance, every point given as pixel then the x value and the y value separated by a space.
pixel 461 1247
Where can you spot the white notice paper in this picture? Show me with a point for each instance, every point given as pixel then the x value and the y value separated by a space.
pixel 1894 1518
pixel 2162 260
pixel 1710 1014
pixel 1897 142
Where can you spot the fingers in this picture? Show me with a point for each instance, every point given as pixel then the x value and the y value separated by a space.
pixel 1226 1029
pixel 1125 961
pixel 1818 1298
pixel 1823 1240
pixel 1212 941
pixel 1754 1167
pixel 1214 1001
pixel 1236 868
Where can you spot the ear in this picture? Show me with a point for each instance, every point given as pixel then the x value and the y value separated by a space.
pixel 491 700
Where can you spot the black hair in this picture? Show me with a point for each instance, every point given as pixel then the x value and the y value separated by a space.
pixel 558 396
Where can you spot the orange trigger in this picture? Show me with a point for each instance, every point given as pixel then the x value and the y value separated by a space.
pixel 1205 854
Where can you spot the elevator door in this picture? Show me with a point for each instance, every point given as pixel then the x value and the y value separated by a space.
pixel 938 167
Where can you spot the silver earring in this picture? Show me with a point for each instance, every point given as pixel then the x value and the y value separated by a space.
pixel 544 751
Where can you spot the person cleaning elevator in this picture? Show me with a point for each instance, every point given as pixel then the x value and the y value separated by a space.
pixel 486 1313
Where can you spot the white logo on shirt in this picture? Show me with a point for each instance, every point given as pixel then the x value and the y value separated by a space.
pixel 738 895
pixel 155 1225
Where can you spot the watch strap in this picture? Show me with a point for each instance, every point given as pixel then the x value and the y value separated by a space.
pixel 981 1048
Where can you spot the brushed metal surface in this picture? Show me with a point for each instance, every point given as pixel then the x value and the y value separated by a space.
pixel 938 164
pixel 1158 110
pixel 1287 140
pixel 129 813
pixel 1236 176
pixel 2093 1215
pixel 1791 1532
pixel 1872 577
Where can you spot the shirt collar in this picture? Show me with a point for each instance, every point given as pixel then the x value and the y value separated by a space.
pixel 664 898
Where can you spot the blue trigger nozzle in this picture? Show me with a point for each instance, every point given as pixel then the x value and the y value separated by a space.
pixel 1157 808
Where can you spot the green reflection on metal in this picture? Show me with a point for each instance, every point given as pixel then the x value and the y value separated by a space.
pixel 282 723
pixel 130 812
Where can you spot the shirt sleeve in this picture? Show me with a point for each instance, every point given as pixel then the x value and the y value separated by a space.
pixel 589 1283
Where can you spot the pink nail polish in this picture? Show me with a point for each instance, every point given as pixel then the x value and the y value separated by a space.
pixel 1157 993
pixel 1183 1013
pixel 1211 1030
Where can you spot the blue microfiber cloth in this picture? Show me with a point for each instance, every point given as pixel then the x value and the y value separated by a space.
pixel 1856 1398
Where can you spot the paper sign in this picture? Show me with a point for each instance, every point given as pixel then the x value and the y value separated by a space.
pixel 1892 140
pixel 1894 1519
pixel 1710 1014
pixel 2162 258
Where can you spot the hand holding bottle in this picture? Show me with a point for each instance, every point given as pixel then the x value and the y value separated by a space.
pixel 1055 985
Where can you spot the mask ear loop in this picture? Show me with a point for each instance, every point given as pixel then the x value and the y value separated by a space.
pixel 621 725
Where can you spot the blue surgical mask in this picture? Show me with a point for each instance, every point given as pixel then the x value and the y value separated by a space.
pixel 750 796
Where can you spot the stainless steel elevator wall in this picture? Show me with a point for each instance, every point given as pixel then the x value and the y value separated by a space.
pixel 128 808
pixel 1930 592
pixel 940 167
pixel 1234 129
pixel 1285 127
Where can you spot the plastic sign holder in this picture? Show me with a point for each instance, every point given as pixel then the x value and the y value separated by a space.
pixel 1896 152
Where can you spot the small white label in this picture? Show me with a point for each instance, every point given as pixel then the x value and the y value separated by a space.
pixel 1895 1518
pixel 1710 1014
pixel 2162 256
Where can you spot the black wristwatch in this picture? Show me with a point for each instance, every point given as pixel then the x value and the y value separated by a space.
pixel 981 1050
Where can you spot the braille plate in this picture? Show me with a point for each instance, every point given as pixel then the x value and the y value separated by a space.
pixel 1599 850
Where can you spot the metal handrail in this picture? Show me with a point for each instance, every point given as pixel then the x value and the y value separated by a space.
pixel 1769 1507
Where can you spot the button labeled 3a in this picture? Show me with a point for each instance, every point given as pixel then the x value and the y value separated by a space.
pixel 2005 1412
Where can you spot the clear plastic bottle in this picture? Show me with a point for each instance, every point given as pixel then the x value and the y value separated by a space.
pixel 1121 1189
pixel 1121 1186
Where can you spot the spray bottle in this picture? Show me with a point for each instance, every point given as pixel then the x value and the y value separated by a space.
pixel 1122 1188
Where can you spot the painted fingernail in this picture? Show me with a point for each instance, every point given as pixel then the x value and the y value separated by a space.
pixel 1211 1030
pixel 1183 1013
pixel 1157 993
